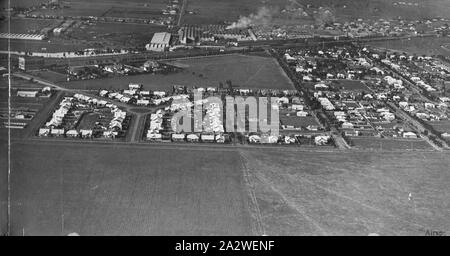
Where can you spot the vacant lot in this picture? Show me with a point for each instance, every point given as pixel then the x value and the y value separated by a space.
pixel 390 144
pixel 88 121
pixel 3 179
pixel 108 190
pixel 216 11
pixel 55 45
pixel 133 12
pixel 374 9
pixel 98 8
pixel 355 193
pixel 441 126
pixel 117 35
pixel 21 3
pixel 243 71
pixel 113 189
pixel 50 75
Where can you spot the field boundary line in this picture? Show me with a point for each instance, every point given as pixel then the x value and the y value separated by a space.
pixel 293 206
pixel 254 206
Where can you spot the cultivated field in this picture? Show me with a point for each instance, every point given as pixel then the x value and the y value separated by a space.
pixel 354 193
pixel 112 190
pixel 243 71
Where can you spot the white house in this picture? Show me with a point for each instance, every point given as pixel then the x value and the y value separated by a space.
pixel 44 132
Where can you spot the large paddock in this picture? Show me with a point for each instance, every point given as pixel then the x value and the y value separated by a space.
pixel 243 71
pixel 136 189
pixel 354 193
pixel 108 190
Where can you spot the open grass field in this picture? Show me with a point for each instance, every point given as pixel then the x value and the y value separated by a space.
pixel 375 9
pixel 21 3
pixel 50 75
pixel 88 121
pixel 390 144
pixel 108 190
pixel 298 121
pixel 217 12
pixel 441 126
pixel 3 179
pixel 428 46
pixel 352 193
pixel 41 106
pixel 243 71
pixel 137 12
pixel 130 189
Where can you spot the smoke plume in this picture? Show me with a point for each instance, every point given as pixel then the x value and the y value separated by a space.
pixel 263 16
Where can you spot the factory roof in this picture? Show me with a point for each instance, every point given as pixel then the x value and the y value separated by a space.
pixel 161 38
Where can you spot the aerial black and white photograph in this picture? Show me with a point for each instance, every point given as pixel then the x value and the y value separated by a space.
pixel 246 118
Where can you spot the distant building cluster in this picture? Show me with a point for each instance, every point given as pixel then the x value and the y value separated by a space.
pixel 197 34
pixel 74 118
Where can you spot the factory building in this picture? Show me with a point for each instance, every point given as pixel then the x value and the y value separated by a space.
pixel 208 33
pixel 160 42
pixel 194 34
pixel 22 36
